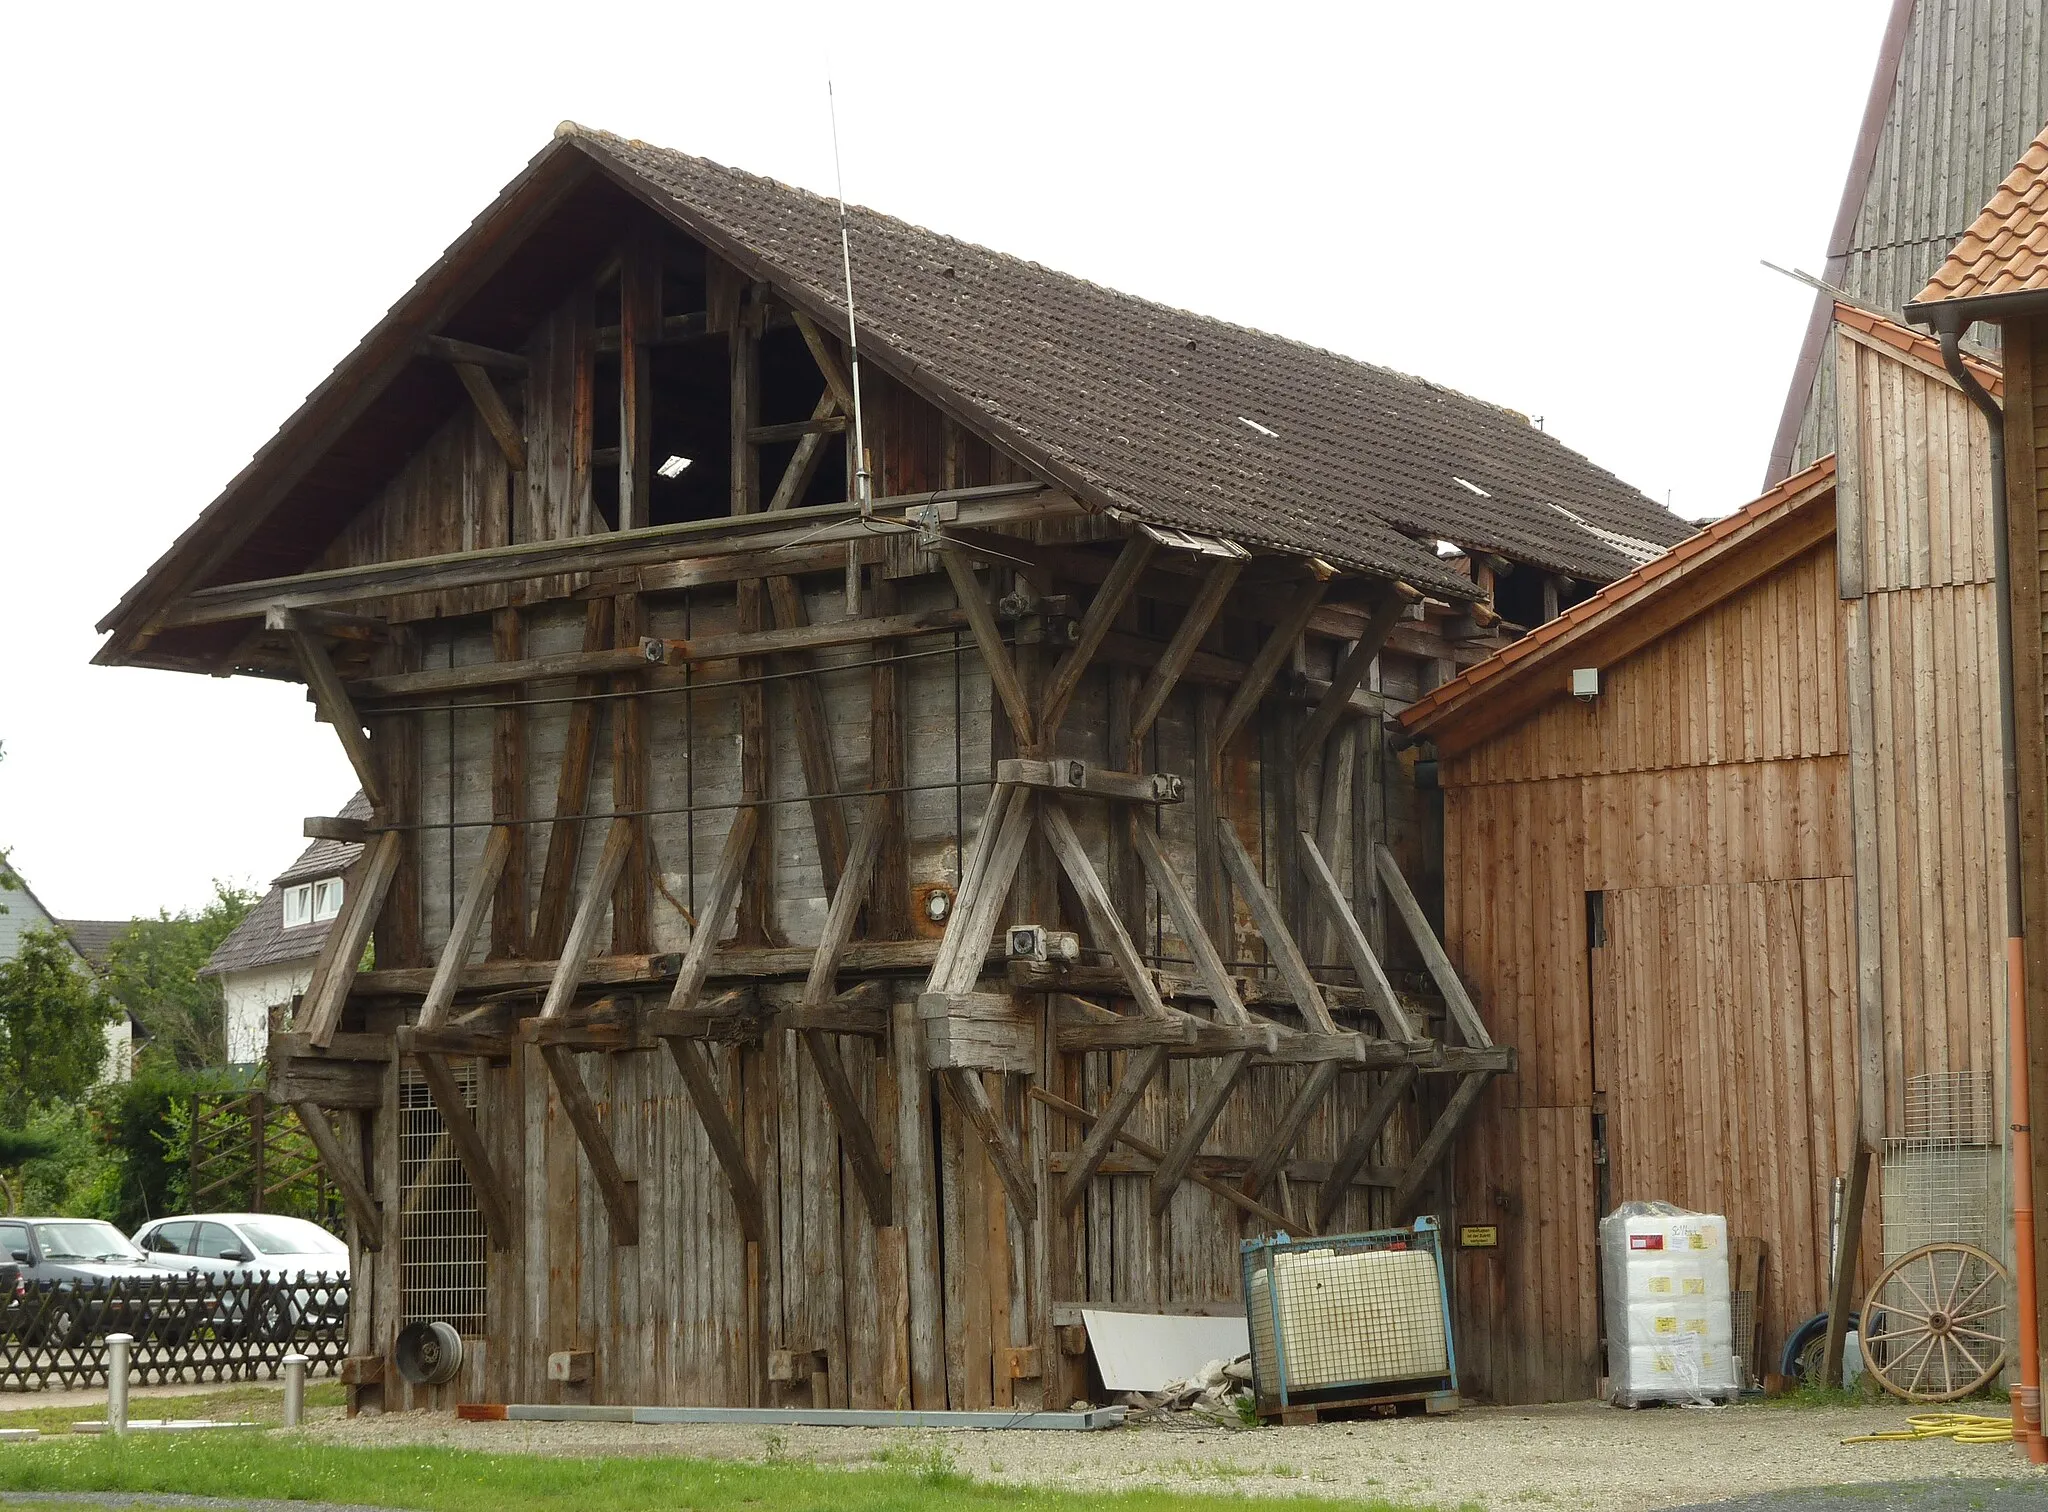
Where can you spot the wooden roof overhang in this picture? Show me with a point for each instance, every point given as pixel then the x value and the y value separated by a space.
pixel 1491 697
pixel 387 396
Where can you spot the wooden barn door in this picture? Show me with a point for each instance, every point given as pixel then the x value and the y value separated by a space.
pixel 1723 1053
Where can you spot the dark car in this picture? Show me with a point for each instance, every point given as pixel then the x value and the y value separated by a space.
pixel 79 1279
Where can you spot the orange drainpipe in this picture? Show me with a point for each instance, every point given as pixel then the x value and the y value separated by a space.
pixel 2026 1409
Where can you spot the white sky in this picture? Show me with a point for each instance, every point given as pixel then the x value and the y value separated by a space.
pixel 1559 208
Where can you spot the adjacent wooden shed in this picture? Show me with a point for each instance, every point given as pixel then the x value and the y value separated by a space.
pixel 1752 877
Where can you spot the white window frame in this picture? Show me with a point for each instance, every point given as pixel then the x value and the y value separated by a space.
pixel 326 899
pixel 298 906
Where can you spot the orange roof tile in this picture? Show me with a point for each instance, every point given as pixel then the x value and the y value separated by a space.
pixel 1730 533
pixel 2005 251
pixel 1918 344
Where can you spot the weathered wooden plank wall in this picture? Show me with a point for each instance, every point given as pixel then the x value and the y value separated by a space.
pixel 1914 490
pixel 1704 796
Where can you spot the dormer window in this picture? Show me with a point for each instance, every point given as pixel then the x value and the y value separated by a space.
pixel 312 902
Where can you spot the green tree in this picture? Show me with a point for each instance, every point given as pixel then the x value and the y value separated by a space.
pixel 52 1027
pixel 153 973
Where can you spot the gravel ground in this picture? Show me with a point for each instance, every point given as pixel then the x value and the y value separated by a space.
pixel 1908 1496
pixel 1585 1457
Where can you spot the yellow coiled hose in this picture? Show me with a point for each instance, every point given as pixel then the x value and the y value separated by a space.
pixel 1963 1427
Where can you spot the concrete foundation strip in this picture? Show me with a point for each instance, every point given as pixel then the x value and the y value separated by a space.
pixel 791 1417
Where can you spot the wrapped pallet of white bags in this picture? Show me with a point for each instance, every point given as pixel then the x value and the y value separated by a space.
pixel 1670 1329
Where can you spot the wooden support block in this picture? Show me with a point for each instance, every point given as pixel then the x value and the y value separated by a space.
pixel 329 1083
pixel 361 1370
pixel 569 1366
pixel 348 831
pixel 1073 1339
pixel 979 1045
pixel 1018 1362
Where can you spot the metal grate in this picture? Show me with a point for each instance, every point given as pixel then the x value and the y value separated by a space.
pixel 1942 1179
pixel 443 1253
pixel 1347 1312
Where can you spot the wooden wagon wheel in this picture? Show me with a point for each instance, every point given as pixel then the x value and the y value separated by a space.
pixel 1932 1324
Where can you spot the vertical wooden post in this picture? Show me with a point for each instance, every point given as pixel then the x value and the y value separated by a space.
pixel 756 917
pixel 630 787
pixel 889 898
pixel 1842 1295
pixel 639 327
pixel 508 795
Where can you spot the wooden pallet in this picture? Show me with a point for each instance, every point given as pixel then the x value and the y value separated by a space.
pixel 1434 1401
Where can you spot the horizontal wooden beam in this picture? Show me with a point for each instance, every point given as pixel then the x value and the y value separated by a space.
pixel 674 330
pixel 664 546
pixel 730 963
pixel 1072 775
pixel 445 349
pixel 796 430
pixel 348 831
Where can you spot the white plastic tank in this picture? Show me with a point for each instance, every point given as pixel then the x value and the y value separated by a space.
pixel 1670 1329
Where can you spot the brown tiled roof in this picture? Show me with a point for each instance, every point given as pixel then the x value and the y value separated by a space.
pixel 94 938
pixel 2005 251
pixel 1472 691
pixel 261 938
pixel 1181 419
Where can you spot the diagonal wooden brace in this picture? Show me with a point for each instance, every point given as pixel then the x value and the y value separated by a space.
pixel 1359 1143
pixel 334 970
pixel 621 1196
pixel 493 1200
pixel 354 1192
pixel 1456 999
pixel 691 1057
pixel 1173 661
pixel 1272 925
pixel 1322 886
pixel 984 887
pixel 1438 1143
pixel 1350 673
pixel 1108 603
pixel 577 948
pixel 1266 1164
pixel 1002 671
pixel 1174 1164
pixel 333 701
pixel 844 1100
pixel 1266 665
pixel 966 1090
pixel 572 793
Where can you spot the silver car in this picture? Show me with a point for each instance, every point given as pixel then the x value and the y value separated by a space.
pixel 263 1250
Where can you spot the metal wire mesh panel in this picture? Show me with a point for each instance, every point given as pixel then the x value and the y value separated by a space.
pixel 1942 1178
pixel 443 1253
pixel 1347 1313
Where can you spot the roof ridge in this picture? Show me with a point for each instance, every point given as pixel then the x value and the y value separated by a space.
pixel 1430 385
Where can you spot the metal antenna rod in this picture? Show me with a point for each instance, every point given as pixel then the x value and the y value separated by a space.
pixel 863 492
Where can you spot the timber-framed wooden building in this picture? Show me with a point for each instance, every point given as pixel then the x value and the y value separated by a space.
pixel 819 947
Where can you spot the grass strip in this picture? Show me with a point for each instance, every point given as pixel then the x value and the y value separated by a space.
pixel 256 1466
pixel 248 1402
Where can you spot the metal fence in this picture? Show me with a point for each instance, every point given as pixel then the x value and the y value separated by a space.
pixel 185 1327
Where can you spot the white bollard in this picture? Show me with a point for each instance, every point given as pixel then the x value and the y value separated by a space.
pixel 117 1381
pixel 294 1389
